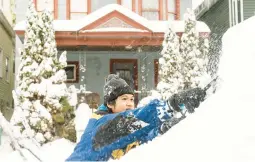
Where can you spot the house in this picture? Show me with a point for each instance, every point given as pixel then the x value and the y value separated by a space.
pixel 220 15
pixel 113 36
pixel 7 55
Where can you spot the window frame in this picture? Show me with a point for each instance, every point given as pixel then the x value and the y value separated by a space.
pixel 55 8
pixel 156 69
pixel 7 69
pixel 171 12
pixel 235 12
pixel 75 78
pixel 14 63
pixel 68 9
pixel 160 9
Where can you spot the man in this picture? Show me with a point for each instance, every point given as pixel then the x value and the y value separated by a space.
pixel 118 126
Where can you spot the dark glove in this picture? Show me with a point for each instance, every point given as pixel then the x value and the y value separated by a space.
pixel 190 98
pixel 114 129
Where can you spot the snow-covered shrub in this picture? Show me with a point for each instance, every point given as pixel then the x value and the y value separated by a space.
pixel 42 97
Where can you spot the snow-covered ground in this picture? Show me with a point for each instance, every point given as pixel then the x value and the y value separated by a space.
pixel 5 148
pixel 57 151
pixel 222 129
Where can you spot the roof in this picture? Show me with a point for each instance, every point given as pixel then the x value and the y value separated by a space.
pixel 204 6
pixel 136 22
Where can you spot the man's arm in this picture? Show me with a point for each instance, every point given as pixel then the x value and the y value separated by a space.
pixel 130 126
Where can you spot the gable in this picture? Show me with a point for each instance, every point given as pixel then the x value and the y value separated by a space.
pixel 115 19
pixel 114 22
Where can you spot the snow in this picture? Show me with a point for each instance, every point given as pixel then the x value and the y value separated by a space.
pixel 196 3
pixel 82 116
pixel 222 128
pixel 177 26
pixel 114 29
pixel 57 150
pixel 76 25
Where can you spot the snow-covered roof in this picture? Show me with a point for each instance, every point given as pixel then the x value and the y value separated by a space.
pixel 204 6
pixel 153 26
pixel 114 29
pixel 110 8
pixel 177 26
pixel 59 25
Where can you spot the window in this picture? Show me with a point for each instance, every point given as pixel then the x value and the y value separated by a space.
pixel 49 4
pixel 1 63
pixel 236 12
pixel 78 9
pixel 125 74
pixel 171 9
pixel 239 11
pixel 72 72
pixel 156 72
pixel 96 4
pixel 150 9
pixel 14 58
pixel 7 69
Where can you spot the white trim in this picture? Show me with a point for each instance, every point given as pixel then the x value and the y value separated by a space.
pixel 236 11
pixel 234 17
pixel 241 6
pixel 230 13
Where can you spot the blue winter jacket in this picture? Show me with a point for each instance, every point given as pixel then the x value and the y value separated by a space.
pixel 154 114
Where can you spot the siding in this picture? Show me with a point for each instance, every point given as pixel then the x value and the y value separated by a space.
pixel 6 87
pixel 217 18
pixel 249 8
pixel 98 67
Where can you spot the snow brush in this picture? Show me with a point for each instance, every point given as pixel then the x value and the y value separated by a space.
pixel 190 99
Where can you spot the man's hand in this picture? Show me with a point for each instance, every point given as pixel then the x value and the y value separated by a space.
pixel 190 98
pixel 116 128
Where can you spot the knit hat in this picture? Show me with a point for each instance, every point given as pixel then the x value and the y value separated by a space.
pixel 115 87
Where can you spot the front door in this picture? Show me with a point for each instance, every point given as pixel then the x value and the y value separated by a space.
pixel 127 70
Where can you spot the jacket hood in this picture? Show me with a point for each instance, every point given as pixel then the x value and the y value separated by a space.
pixel 102 108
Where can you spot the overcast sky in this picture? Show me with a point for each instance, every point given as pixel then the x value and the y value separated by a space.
pixel 195 3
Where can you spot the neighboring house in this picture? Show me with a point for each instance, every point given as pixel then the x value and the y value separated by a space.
pixel 220 15
pixel 113 36
pixel 7 7
pixel 7 45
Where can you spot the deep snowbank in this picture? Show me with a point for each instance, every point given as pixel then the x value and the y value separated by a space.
pixel 222 129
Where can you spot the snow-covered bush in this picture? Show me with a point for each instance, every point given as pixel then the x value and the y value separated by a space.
pixel 194 56
pixel 42 97
pixel 170 76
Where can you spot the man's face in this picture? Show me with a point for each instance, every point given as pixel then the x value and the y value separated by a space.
pixel 123 103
